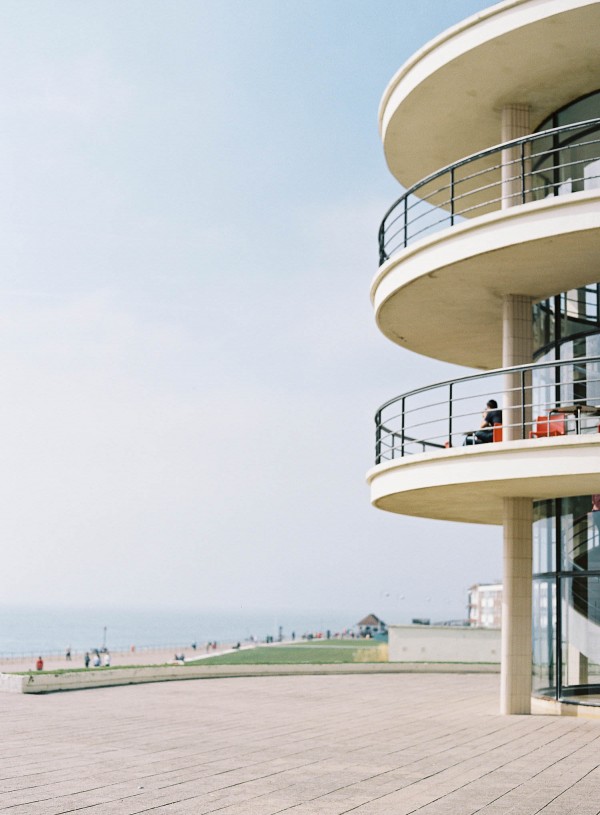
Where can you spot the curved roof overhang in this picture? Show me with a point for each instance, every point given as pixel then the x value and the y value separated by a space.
pixel 446 101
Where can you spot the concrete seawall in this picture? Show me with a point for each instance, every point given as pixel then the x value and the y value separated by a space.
pixel 50 683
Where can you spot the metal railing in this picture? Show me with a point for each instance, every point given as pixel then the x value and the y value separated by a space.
pixel 540 399
pixel 553 162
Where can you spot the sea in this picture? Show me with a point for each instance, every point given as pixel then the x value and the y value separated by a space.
pixel 33 630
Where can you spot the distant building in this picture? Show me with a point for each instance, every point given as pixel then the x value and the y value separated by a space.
pixel 485 605
pixel 370 626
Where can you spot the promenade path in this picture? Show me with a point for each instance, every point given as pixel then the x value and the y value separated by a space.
pixel 369 745
pixel 142 656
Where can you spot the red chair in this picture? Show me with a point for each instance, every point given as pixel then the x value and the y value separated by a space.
pixel 552 425
pixel 497 432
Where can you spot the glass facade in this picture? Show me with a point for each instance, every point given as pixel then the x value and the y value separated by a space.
pixel 568 161
pixel 566 531
pixel 566 598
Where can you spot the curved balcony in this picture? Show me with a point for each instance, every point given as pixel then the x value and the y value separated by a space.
pixel 430 464
pixel 522 217
pixel 533 170
pixel 445 102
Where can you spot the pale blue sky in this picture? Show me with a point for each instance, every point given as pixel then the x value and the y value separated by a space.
pixel 191 198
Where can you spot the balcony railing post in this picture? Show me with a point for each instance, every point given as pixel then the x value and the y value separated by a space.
pixel 382 255
pixel 406 220
pixel 403 420
pixel 523 184
pixel 452 197
pixel 523 418
pixel 450 394
pixel 378 437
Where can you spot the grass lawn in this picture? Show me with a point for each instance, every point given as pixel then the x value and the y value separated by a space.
pixel 313 652
pixel 320 652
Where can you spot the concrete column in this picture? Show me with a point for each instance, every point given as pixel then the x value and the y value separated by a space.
pixel 515 677
pixel 517 349
pixel 517 345
pixel 515 123
pixel 517 340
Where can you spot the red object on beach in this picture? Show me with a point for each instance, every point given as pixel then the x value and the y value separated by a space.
pixel 39 665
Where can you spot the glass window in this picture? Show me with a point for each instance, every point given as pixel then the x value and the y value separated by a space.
pixel 579 111
pixel 567 161
pixel 569 323
pixel 544 537
pixel 544 637
pixel 577 532
pixel 580 641
pixel 543 323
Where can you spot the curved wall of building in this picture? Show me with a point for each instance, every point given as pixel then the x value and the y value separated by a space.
pixel 566 531
pixel 566 599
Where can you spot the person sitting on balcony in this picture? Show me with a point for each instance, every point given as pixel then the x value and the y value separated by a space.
pixel 491 416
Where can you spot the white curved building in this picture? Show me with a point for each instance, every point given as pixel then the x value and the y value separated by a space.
pixel 491 259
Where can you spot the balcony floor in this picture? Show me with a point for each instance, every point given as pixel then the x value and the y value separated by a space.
pixel 442 296
pixel 468 484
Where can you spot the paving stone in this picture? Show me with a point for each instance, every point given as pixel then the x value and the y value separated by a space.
pixel 306 745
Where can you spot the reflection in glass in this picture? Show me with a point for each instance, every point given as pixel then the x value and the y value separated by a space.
pixel 580 640
pixel 544 639
pixel 568 162
pixel 544 537
pixel 566 598
pixel 577 533
pixel 573 316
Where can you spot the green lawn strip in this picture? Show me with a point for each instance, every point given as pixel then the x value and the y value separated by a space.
pixel 284 655
pixel 334 644
pixel 316 652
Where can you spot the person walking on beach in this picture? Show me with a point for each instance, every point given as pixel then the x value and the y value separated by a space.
pixel 39 665
pixel 107 660
pixel 86 659
pixel 68 654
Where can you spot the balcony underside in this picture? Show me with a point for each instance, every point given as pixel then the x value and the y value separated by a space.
pixel 468 483
pixel 442 296
pixel 446 101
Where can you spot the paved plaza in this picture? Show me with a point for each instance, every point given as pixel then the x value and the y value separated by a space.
pixel 369 745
